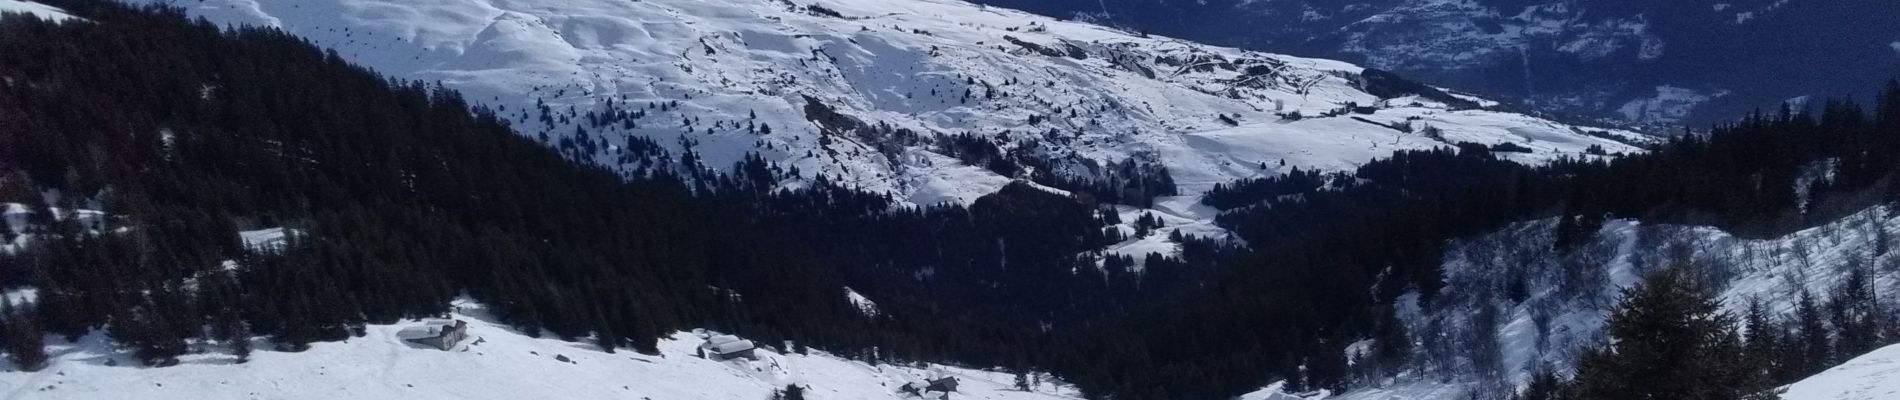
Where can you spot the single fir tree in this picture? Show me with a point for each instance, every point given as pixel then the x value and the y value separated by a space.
pixel 1671 341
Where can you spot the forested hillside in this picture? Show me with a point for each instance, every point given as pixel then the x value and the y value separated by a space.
pixel 135 146
pixel 402 198
pixel 1331 253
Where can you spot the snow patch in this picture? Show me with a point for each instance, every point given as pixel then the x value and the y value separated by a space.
pixel 1178 214
pixel 42 11
pixel 20 296
pixel 266 239
pixel 1277 391
pixel 863 304
pixel 1358 350
pixel 1671 104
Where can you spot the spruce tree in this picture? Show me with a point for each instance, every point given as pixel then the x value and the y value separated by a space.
pixel 1815 345
pixel 148 335
pixel 606 339
pixel 1856 317
pixel 1766 342
pixel 1671 341
pixel 1545 385
pixel 227 327
pixel 1392 347
pixel 241 344
pixel 24 343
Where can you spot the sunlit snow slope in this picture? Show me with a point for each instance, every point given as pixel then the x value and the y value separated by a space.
pixel 495 363
pixel 1076 96
pixel 1873 376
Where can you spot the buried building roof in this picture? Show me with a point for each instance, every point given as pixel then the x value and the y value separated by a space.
pixel 727 344
pixel 429 329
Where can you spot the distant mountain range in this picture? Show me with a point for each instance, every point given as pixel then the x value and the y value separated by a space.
pixel 1664 62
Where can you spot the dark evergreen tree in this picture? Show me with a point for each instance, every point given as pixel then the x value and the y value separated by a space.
pixel 1392 347
pixel 148 334
pixel 1545 385
pixel 1766 341
pixel 1671 341
pixel 1814 342
pixel 1859 322
pixel 20 336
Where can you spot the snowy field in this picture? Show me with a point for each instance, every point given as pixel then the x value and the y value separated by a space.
pixel 495 363
pixel 1874 376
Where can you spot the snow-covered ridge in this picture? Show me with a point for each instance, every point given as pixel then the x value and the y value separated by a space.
pixel 708 77
pixel 494 363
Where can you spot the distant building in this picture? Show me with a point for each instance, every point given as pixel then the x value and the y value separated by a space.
pixel 727 347
pixel 939 387
pixel 440 334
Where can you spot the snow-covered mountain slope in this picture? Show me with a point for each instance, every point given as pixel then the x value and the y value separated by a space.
pixel 1871 376
pixel 495 363
pixel 1514 306
pixel 857 89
